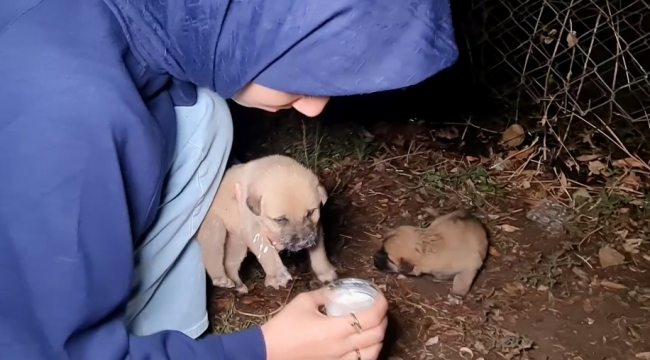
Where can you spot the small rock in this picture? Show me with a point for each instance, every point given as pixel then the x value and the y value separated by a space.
pixel 549 216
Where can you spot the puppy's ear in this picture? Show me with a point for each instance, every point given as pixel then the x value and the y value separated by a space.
pixel 405 267
pixel 322 193
pixel 254 202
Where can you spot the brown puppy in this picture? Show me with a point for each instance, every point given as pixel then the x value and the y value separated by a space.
pixel 265 206
pixel 453 246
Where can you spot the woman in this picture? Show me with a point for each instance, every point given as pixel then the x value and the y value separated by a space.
pixel 110 157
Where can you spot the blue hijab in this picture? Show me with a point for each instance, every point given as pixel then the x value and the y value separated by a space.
pixel 309 47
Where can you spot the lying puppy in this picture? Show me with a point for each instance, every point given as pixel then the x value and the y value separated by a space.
pixel 453 246
pixel 266 205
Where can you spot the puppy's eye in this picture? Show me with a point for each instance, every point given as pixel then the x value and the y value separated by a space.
pixel 310 213
pixel 281 220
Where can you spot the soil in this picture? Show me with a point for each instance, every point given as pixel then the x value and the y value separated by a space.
pixel 539 296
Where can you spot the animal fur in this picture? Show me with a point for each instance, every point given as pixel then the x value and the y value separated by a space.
pixel 452 246
pixel 264 206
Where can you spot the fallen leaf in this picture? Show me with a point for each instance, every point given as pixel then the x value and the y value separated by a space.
pixel 629 163
pixel 467 351
pixel 367 134
pixel 633 180
pixel 432 341
pixel 448 133
pixel 508 228
pixel 471 158
pixel 542 288
pixel 571 164
pixel 643 355
pixel 587 307
pixel 581 273
pixel 582 192
pixel 514 288
pixel 480 347
pixel 631 245
pixel 571 39
pixel 521 154
pixel 513 136
pixel 595 167
pixel 609 257
pixel 612 285
pixel 585 158
pixel 646 257
pixel 494 252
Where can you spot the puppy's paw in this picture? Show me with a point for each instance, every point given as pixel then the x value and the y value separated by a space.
pixel 454 299
pixel 241 289
pixel 280 280
pixel 223 282
pixel 327 276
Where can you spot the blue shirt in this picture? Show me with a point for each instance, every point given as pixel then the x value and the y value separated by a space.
pixel 87 131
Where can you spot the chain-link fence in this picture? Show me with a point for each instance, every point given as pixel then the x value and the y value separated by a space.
pixel 567 61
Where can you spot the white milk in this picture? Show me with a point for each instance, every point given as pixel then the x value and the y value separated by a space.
pixel 350 295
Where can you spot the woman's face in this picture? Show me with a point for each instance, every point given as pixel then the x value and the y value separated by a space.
pixel 262 97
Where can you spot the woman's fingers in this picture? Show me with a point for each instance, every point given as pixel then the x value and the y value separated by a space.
pixel 369 353
pixel 314 298
pixel 367 337
pixel 367 318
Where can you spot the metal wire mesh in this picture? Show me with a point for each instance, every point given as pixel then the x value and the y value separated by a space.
pixel 586 59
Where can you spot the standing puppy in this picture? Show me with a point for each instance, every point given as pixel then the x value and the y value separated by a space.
pixel 266 205
pixel 453 246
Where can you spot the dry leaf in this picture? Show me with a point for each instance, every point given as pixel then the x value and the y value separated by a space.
pixel 508 228
pixel 643 355
pixel 582 192
pixel 581 273
pixel 609 257
pixel 432 341
pixel 471 158
pixel 448 133
pixel 595 167
pixel 586 305
pixel 513 136
pixel 467 351
pixel 629 163
pixel 514 288
pixel 612 285
pixel 494 252
pixel 571 39
pixel 631 245
pixel 585 158
pixel 633 180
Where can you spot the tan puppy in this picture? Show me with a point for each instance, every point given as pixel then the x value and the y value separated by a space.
pixel 453 246
pixel 264 206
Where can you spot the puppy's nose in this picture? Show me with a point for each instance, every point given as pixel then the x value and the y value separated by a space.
pixel 379 261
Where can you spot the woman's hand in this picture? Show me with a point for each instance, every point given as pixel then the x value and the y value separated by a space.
pixel 301 332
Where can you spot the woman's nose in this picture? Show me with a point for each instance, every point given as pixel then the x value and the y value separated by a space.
pixel 311 105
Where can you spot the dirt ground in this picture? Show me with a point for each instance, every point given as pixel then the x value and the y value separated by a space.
pixel 541 295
